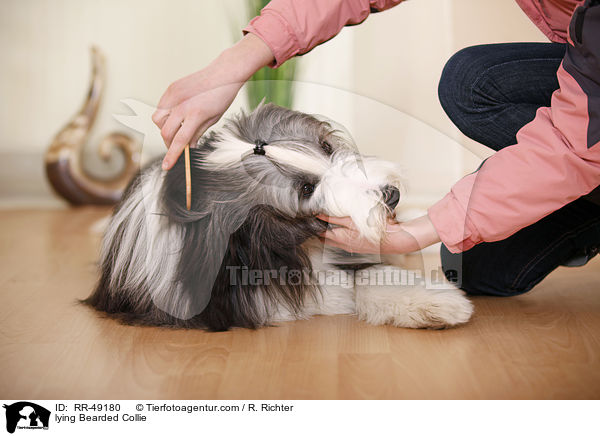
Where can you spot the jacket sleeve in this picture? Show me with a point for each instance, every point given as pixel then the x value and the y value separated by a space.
pixel 555 161
pixel 292 28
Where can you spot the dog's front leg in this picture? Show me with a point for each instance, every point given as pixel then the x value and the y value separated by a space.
pixel 335 294
pixel 387 294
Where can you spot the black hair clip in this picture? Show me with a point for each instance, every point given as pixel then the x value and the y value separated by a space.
pixel 258 149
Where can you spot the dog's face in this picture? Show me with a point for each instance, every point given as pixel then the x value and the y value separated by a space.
pixel 307 168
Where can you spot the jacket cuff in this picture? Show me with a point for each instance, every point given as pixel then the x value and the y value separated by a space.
pixel 450 220
pixel 276 33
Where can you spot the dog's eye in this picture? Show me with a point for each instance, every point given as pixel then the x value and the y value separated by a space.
pixel 308 189
pixel 326 146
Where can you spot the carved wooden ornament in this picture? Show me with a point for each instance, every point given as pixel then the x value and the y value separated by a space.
pixel 63 158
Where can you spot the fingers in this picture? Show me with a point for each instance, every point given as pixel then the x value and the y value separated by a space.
pixel 345 221
pixel 339 235
pixel 166 103
pixel 341 238
pixel 181 139
pixel 159 117
pixel 197 135
pixel 334 239
pixel 171 127
pixel 333 243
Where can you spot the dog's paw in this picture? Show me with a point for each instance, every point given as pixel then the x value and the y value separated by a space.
pixel 412 307
pixel 443 308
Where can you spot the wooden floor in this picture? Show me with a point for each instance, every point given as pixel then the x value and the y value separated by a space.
pixel 545 344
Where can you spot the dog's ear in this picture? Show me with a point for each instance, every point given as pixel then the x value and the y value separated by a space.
pixel 266 252
pixel 224 236
pixel 205 231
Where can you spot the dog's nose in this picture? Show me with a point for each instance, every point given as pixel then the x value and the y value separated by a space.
pixel 391 196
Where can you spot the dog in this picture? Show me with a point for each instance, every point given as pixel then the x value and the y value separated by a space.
pixel 247 254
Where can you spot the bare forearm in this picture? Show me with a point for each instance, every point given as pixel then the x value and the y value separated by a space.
pixel 244 58
pixel 193 103
pixel 416 235
pixel 399 238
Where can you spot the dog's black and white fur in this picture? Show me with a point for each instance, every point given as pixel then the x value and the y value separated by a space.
pixel 257 185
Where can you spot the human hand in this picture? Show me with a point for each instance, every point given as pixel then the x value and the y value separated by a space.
pixel 193 103
pixel 399 238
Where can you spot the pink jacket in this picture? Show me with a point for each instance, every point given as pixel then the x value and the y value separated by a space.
pixel 557 156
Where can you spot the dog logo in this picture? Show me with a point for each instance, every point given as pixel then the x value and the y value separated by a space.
pixel 26 415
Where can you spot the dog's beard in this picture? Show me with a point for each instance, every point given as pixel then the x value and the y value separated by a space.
pixel 352 187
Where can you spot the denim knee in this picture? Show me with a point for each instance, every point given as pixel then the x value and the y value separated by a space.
pixel 454 89
pixel 474 102
pixel 478 276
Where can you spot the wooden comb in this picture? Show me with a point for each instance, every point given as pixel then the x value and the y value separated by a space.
pixel 188 179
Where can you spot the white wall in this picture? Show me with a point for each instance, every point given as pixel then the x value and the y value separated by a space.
pixel 46 67
pixel 379 78
pixel 398 59
pixel 399 55
pixel 45 46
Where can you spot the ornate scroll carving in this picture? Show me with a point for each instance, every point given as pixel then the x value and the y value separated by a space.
pixel 64 166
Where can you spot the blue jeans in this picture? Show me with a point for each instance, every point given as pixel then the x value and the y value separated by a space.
pixel 490 92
